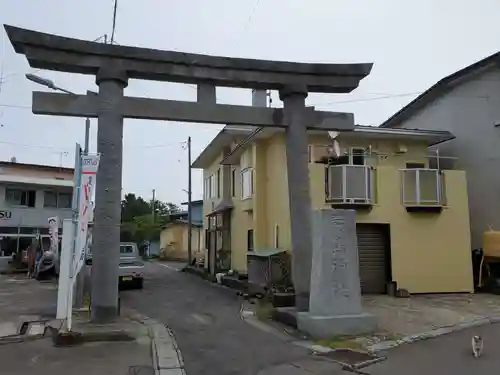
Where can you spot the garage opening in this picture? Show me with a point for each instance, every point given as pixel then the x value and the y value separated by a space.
pixel 374 257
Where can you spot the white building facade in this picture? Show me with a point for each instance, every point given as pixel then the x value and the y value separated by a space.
pixel 29 195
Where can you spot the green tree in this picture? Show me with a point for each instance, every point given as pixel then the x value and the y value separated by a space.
pixel 133 206
pixel 138 223
pixel 145 228
pixel 163 211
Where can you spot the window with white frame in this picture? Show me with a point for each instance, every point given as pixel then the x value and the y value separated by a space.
pixel 310 153
pixel 213 186
pixel 205 188
pixel 209 187
pixel 233 182
pixel 219 183
pixel 246 183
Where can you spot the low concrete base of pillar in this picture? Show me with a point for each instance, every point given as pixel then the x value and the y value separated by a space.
pixel 104 314
pixel 326 327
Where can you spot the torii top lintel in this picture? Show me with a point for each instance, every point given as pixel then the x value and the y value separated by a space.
pixel 53 52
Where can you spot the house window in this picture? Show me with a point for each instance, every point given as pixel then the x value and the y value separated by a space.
pixel 310 153
pixel 233 182
pixel 211 222
pixel 276 236
pixel 54 199
pixel 19 197
pixel 212 186
pixel 250 240
pixel 218 183
pixel 64 200
pixel 357 156
pixel 207 188
pixel 415 165
pixel 246 183
pixel 50 199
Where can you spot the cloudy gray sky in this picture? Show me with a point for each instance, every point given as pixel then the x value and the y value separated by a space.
pixel 412 43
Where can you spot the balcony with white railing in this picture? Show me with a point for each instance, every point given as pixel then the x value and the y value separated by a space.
pixel 349 186
pixel 423 190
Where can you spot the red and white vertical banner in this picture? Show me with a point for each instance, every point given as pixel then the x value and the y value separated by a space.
pixel 54 234
pixel 89 167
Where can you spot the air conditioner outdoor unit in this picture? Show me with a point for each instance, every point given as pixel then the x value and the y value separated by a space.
pixel 402 149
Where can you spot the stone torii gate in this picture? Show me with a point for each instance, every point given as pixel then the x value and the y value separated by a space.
pixel 113 65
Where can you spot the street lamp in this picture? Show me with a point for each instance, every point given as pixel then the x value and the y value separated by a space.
pixel 51 85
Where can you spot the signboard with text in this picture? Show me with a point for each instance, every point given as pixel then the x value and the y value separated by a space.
pixel 88 172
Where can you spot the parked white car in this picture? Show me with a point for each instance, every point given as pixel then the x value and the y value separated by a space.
pixel 131 271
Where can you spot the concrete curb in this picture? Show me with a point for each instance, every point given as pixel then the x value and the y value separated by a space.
pixel 165 353
pixel 247 314
pixel 432 333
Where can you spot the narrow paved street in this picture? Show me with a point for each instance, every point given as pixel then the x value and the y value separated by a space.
pixel 206 322
pixel 448 354
pixel 214 339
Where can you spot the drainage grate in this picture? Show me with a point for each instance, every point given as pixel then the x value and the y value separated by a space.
pixel 351 358
pixel 34 328
pixel 24 328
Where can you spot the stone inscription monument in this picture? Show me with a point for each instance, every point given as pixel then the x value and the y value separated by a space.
pixel 335 297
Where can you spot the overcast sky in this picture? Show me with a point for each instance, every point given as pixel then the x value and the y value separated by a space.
pixel 412 43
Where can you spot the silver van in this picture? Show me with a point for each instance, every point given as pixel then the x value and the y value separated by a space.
pixel 131 268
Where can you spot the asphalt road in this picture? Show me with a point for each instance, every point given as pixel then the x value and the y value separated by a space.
pixel 206 322
pixel 449 354
pixel 214 339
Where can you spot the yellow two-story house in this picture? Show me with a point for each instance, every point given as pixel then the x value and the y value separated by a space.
pixel 412 210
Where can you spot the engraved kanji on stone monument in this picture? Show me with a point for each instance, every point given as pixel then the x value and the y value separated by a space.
pixel 340 289
pixel 335 303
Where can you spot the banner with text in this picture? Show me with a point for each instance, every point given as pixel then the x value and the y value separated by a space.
pixel 54 234
pixel 88 172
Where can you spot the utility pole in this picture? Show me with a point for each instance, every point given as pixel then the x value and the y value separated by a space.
pixel 87 135
pixel 153 204
pixel 190 217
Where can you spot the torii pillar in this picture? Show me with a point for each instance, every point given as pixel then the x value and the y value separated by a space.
pixel 299 197
pixel 105 266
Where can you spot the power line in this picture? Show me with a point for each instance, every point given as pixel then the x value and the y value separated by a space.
pixel 389 96
pixel 249 20
pixel 245 27
pixel 6 105
pixel 58 149
pixel 33 146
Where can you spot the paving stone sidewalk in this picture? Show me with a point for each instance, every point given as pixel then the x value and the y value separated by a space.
pixel 40 357
pixel 23 300
pixel 423 313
